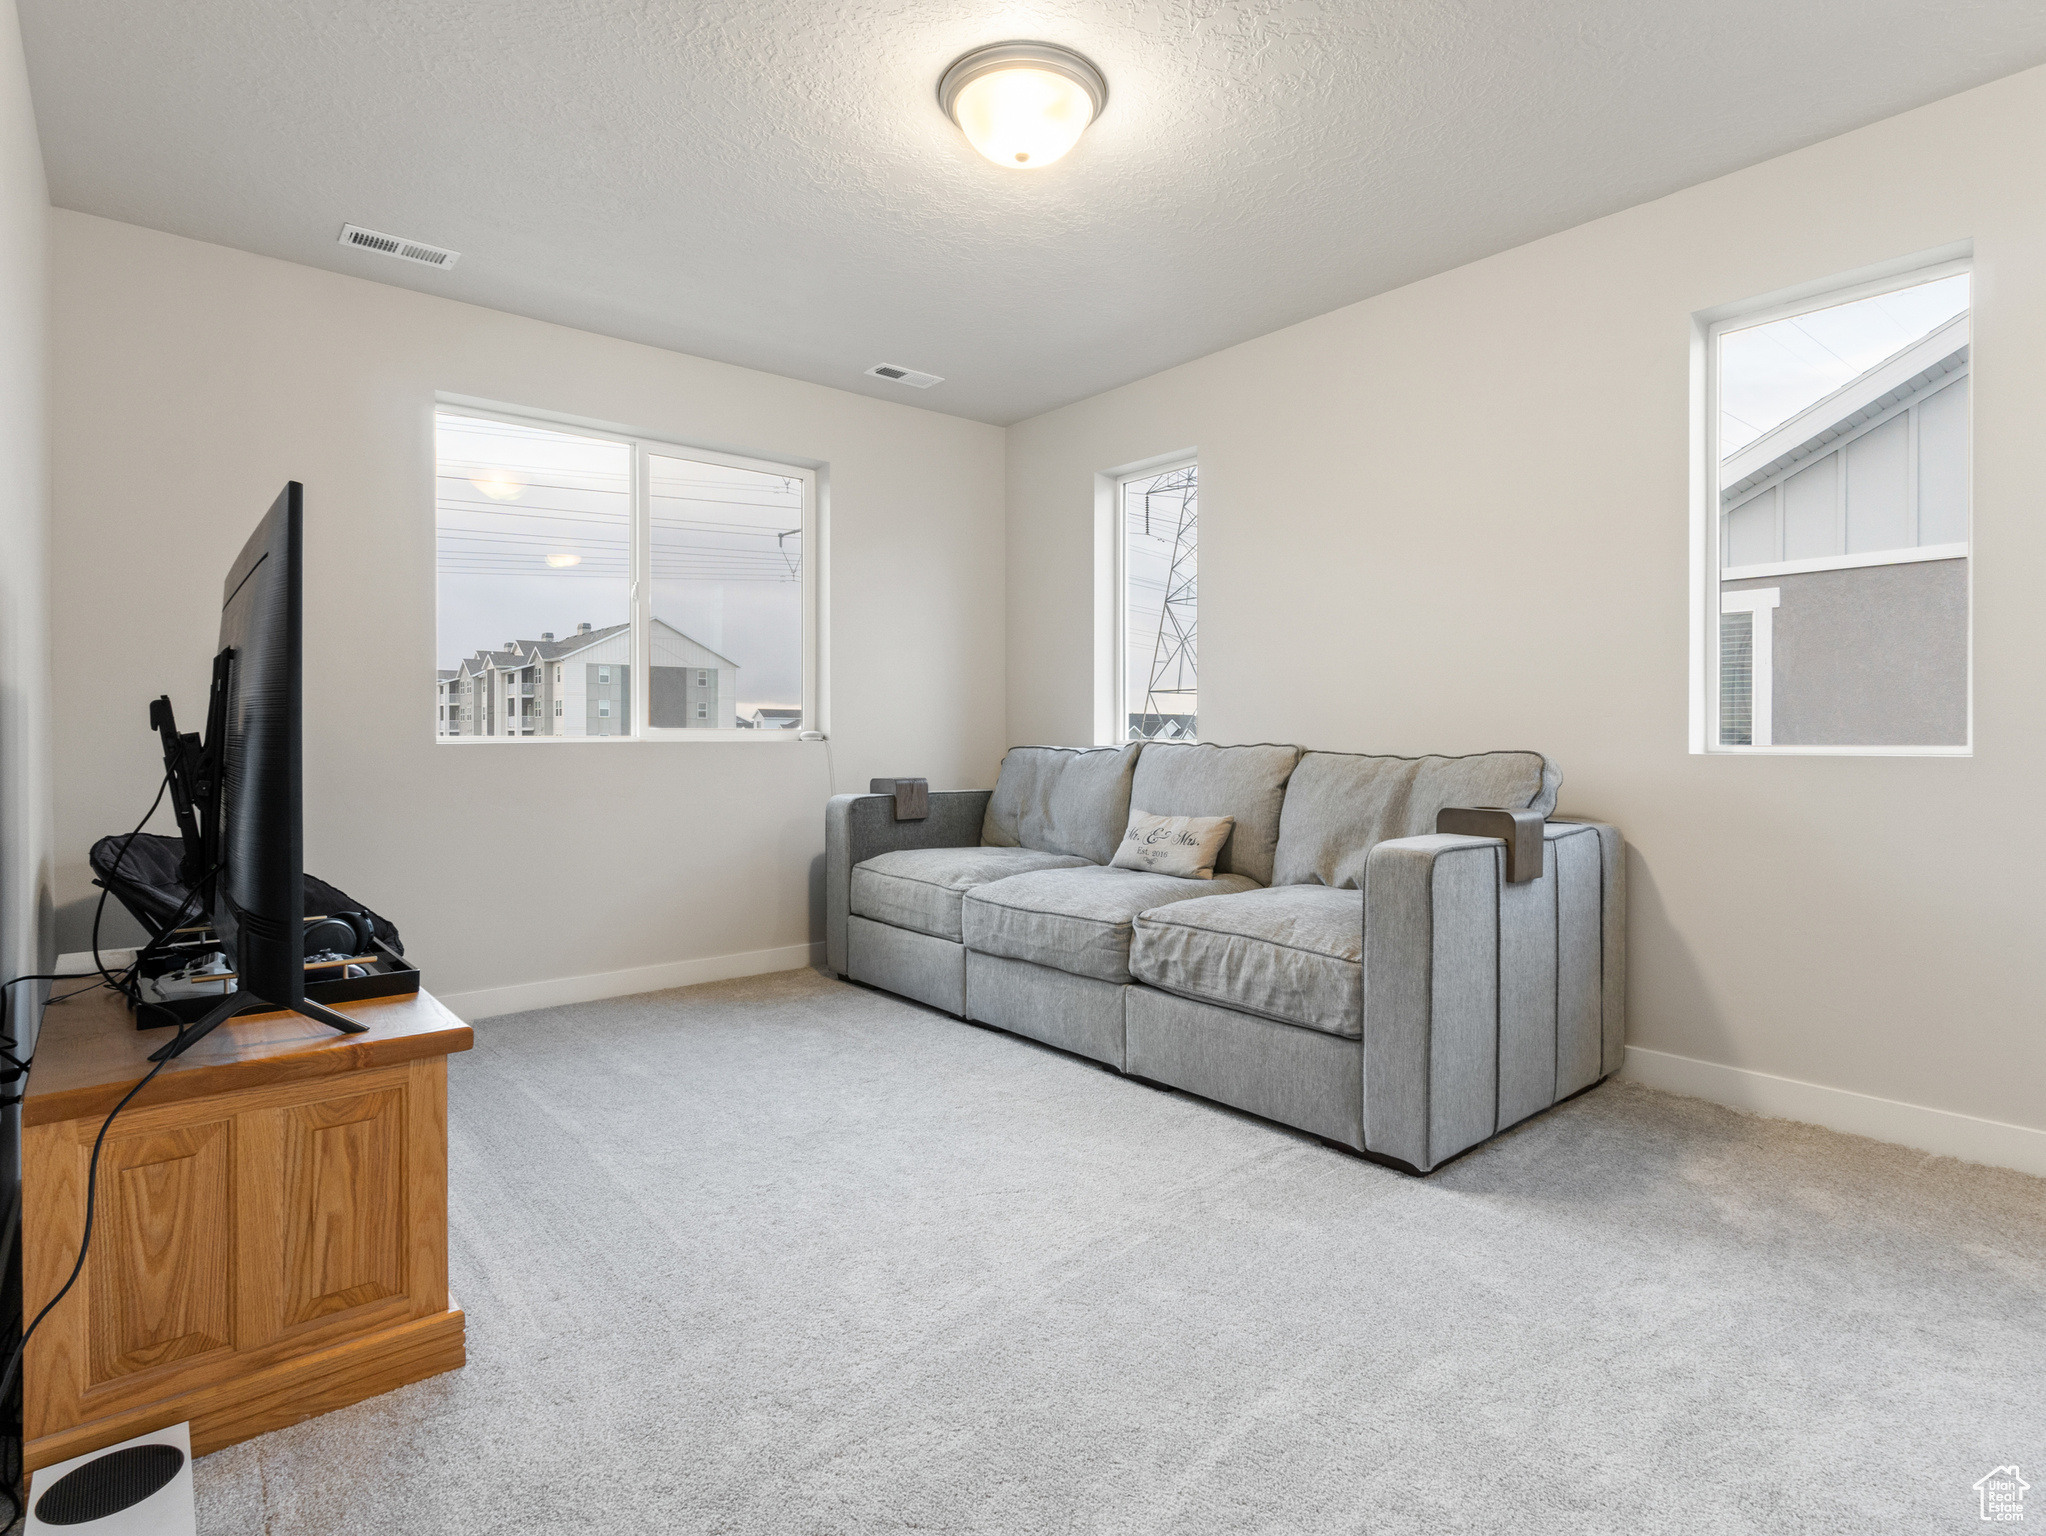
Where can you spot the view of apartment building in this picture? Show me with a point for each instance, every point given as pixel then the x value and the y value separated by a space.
pixel 582 686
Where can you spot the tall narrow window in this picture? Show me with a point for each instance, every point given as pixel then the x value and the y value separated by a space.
pixel 667 589
pixel 1160 604
pixel 1838 575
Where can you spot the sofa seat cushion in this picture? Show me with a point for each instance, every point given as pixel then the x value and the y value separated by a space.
pixel 919 888
pixel 1075 920
pixel 1294 953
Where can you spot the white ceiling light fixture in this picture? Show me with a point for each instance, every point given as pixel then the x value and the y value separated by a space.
pixel 1023 105
pixel 499 485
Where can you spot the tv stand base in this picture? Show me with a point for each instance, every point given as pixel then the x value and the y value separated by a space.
pixel 243 1002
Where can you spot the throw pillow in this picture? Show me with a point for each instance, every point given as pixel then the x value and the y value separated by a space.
pixel 1186 846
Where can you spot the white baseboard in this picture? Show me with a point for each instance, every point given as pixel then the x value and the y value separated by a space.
pixel 1860 1114
pixel 488 1002
pixel 517 998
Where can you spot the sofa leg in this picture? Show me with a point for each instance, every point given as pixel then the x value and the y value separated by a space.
pixel 1400 1164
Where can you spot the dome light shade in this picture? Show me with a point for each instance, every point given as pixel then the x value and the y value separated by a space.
pixel 1023 105
pixel 499 485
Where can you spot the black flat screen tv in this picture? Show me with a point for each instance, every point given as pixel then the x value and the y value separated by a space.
pixel 248 780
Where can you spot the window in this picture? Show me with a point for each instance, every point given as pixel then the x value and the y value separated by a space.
pixel 1158 539
pixel 729 591
pixel 1836 571
pixel 626 565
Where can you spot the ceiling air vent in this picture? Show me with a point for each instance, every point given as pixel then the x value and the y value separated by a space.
pixel 907 376
pixel 393 245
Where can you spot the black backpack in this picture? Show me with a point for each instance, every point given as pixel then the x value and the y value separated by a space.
pixel 142 875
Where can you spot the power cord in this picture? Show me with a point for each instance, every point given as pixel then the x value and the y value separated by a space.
pixel 16 1071
pixel 85 1238
pixel 830 765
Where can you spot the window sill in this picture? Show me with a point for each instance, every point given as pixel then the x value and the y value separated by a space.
pixel 1721 751
pixel 650 736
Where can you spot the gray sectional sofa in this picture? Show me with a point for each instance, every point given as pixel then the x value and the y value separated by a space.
pixel 1348 970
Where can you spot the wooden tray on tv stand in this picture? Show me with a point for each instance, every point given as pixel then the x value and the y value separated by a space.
pixel 269 1239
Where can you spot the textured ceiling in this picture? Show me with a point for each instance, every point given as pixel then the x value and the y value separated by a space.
pixel 770 182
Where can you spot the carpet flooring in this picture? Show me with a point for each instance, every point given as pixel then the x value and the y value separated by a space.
pixel 786 1255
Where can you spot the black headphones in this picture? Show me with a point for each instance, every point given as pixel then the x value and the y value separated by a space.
pixel 344 933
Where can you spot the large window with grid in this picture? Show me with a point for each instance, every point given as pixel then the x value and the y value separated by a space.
pixel 598 585
pixel 1835 573
pixel 1159 601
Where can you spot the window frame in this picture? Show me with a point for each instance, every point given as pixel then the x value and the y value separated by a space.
pixel 813 474
pixel 1111 594
pixel 1707 525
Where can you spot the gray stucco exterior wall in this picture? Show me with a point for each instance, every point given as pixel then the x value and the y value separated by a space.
pixel 1874 656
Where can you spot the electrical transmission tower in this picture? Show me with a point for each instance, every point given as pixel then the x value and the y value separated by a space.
pixel 1171 697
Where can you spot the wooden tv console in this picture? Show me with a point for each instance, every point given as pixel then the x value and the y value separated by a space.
pixel 270 1233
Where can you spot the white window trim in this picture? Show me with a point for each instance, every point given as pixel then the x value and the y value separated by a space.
pixel 1762 602
pixel 1111 664
pixel 1706 539
pixel 816 591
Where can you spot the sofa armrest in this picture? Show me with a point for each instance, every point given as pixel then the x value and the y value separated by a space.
pixel 857 827
pixel 1484 1001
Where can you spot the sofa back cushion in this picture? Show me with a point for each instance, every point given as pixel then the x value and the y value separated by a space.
pixel 1248 783
pixel 1341 805
pixel 1062 800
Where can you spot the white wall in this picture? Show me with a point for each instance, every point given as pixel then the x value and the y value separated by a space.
pixel 25 928
pixel 191 381
pixel 1456 517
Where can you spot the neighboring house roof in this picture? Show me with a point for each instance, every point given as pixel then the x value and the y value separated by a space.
pixel 555 650
pixel 1813 430
pixel 524 653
